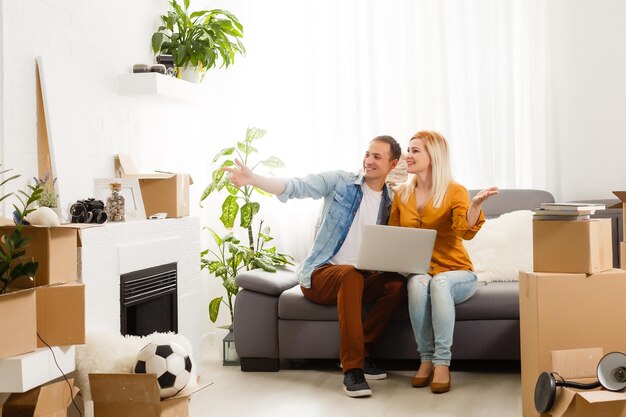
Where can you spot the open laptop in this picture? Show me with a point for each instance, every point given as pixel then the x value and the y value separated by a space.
pixel 396 249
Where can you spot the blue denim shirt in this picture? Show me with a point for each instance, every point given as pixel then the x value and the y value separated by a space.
pixel 342 195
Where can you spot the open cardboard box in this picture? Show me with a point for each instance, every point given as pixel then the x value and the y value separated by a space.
pixel 136 395
pixel 163 192
pixel 574 246
pixel 56 250
pixel 49 400
pixel 579 365
pixel 567 311
pixel 18 323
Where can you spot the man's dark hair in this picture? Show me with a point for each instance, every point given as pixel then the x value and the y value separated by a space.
pixel 396 151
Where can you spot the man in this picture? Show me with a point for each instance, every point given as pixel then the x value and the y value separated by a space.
pixel 328 275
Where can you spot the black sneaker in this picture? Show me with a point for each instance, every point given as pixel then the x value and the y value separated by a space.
pixel 354 383
pixel 372 372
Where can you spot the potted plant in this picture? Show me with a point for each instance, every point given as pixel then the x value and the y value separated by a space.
pixel 12 245
pixel 232 255
pixel 198 41
pixel 48 197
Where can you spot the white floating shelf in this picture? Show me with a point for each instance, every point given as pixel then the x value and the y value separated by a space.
pixel 159 85
pixel 24 372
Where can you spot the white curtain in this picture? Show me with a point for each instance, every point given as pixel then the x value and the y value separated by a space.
pixel 324 77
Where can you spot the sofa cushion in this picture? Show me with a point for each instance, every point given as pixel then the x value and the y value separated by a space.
pixel 293 306
pixel 494 301
pixel 268 283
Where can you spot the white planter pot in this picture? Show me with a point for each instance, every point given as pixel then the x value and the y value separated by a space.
pixel 190 74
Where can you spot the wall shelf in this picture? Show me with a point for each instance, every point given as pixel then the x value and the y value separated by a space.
pixel 157 85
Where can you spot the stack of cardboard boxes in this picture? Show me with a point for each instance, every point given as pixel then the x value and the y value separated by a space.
pixel 572 300
pixel 51 314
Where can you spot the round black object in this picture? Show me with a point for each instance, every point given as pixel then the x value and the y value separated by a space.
pixel 545 392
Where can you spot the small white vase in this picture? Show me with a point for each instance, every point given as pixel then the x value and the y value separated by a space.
pixel 190 74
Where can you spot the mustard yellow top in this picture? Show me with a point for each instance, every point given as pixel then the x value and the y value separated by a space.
pixel 450 221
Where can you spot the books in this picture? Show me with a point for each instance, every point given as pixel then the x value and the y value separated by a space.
pixel 561 218
pixel 566 211
pixel 572 206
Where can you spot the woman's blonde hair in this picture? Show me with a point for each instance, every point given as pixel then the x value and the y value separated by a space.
pixel 437 148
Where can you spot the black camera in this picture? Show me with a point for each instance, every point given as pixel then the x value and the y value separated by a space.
pixel 88 211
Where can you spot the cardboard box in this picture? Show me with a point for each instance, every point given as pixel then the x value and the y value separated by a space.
pixel 29 370
pixel 136 395
pixel 567 311
pixel 163 192
pixel 622 197
pixel 47 401
pixel 61 314
pixel 582 246
pixel 56 250
pixel 18 323
pixel 580 366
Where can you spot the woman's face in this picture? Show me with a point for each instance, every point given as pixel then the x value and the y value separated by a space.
pixel 417 160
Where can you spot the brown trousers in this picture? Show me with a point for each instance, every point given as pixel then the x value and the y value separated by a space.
pixel 349 288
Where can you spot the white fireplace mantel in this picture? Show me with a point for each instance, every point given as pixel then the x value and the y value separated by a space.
pixel 117 248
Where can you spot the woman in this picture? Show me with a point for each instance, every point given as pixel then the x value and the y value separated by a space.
pixel 430 199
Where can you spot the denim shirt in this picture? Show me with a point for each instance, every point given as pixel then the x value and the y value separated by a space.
pixel 342 195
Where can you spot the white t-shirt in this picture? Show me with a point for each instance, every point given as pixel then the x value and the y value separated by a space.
pixel 367 213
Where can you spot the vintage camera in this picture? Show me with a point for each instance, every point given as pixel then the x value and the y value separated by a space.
pixel 88 211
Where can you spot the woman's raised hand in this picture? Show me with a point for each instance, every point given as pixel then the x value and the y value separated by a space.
pixel 483 195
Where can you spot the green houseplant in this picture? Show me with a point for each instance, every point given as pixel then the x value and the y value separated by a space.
pixel 13 266
pixel 232 255
pixel 198 41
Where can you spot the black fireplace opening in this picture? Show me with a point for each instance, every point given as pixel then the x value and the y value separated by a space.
pixel 149 301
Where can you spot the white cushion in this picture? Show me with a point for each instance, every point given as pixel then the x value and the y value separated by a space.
pixel 503 247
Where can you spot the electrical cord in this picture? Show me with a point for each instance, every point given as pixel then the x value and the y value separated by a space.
pixel 62 373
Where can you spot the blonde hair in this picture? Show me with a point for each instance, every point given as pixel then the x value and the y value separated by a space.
pixel 437 148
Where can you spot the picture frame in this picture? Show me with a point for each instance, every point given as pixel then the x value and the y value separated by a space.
pixel 130 190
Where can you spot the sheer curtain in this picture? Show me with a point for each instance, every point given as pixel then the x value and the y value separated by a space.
pixel 324 77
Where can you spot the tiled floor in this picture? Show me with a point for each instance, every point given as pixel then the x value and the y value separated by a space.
pixel 317 391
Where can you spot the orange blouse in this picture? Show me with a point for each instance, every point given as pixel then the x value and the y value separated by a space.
pixel 450 221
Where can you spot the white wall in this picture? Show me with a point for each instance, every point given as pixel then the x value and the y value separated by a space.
pixel 588 59
pixel 95 42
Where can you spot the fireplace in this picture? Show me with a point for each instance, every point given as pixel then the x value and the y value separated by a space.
pixel 148 300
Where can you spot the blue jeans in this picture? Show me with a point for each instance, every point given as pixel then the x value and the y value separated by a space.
pixel 431 309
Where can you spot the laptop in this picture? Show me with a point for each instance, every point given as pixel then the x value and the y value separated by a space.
pixel 406 250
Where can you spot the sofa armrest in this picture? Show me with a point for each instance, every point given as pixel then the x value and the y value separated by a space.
pixel 263 282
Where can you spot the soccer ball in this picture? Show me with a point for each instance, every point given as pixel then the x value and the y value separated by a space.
pixel 169 362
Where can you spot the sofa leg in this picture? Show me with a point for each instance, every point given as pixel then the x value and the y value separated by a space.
pixel 259 364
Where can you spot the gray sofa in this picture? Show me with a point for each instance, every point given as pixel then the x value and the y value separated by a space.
pixel 273 321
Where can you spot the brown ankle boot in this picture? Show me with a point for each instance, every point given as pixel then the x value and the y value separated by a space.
pixel 441 379
pixel 424 375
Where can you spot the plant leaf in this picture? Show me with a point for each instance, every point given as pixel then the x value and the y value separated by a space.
pixel 247 213
pixel 273 162
pixel 214 308
pixel 223 152
pixel 157 40
pixel 229 211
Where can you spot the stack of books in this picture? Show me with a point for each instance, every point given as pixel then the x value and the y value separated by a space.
pixel 566 211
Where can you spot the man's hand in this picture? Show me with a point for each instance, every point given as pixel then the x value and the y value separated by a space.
pixel 240 176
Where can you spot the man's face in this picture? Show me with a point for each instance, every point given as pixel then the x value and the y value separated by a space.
pixel 377 162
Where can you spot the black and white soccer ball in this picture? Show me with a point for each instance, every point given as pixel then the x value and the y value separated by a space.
pixel 171 364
